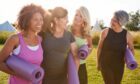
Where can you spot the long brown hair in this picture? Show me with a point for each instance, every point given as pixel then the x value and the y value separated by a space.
pixel 58 12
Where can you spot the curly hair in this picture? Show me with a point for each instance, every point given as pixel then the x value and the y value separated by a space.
pixel 26 14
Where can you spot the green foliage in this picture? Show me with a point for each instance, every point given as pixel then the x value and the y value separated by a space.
pixel 94 76
pixel 4 35
pixel 101 24
pixel 134 21
pixel 136 37
pixel 95 37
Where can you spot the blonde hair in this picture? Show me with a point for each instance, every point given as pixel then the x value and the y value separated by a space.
pixel 86 17
pixel 58 12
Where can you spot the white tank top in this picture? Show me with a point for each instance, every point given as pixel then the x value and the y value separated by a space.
pixel 17 50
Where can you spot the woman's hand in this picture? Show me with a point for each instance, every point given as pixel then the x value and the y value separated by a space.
pixel 6 69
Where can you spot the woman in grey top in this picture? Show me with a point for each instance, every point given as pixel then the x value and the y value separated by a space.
pixel 57 43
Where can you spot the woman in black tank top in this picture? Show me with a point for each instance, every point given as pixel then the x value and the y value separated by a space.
pixel 111 49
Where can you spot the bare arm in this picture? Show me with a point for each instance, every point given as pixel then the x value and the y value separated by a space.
pixel 9 45
pixel 74 51
pixel 130 42
pixel 90 45
pixel 100 44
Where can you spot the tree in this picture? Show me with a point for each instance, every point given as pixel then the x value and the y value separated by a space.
pixel 101 24
pixel 134 22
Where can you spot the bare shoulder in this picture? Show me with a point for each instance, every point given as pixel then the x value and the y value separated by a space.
pixel 129 34
pixel 14 39
pixel 104 32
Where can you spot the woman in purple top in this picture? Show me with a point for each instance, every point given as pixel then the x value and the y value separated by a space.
pixel 26 44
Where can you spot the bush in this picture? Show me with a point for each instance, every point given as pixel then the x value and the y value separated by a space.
pixel 95 37
pixel 4 35
pixel 136 37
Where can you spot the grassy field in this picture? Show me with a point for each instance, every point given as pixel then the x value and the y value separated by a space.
pixel 1 46
pixel 94 77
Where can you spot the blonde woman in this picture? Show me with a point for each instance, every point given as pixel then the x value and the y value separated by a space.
pixel 81 31
pixel 57 42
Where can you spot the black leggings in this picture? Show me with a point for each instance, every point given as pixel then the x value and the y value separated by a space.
pixel 83 74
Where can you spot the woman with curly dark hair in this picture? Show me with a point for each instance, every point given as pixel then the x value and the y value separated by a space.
pixel 26 44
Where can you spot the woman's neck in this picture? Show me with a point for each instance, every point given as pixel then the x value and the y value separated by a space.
pixel 59 32
pixel 76 30
pixel 117 29
pixel 29 34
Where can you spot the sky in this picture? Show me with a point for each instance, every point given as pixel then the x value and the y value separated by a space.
pixel 98 9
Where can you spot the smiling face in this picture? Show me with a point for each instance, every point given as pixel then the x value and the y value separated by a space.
pixel 114 22
pixel 36 22
pixel 62 22
pixel 78 19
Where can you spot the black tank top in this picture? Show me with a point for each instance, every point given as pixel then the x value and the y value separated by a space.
pixel 114 47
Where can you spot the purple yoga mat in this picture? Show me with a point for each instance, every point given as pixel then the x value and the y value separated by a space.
pixel 83 52
pixel 72 71
pixel 130 60
pixel 25 69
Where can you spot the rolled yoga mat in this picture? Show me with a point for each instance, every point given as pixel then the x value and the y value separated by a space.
pixel 26 70
pixel 72 71
pixel 130 60
pixel 83 52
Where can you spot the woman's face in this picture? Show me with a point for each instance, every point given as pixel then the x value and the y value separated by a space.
pixel 36 22
pixel 78 20
pixel 62 22
pixel 114 22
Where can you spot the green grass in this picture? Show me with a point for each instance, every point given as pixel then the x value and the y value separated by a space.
pixel 94 76
pixel 4 35
pixel 3 76
pixel 1 46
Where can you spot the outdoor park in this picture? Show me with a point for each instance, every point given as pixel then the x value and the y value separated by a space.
pixel 8 28
pixel 94 76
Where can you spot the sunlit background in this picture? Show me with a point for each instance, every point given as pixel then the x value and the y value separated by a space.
pixel 99 9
